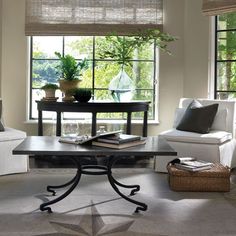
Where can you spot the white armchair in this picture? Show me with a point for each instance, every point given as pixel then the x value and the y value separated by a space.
pixel 9 139
pixel 216 146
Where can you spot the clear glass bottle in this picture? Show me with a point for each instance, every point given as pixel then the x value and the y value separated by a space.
pixel 102 129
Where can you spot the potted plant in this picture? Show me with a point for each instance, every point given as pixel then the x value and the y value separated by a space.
pixel 50 90
pixel 121 49
pixel 70 72
pixel 82 94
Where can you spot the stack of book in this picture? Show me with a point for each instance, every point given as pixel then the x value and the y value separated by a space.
pixel 119 141
pixel 191 164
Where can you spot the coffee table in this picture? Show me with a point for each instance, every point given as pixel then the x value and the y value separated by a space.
pixel 50 146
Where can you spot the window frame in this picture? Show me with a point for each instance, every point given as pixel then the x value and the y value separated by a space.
pixel 216 60
pixel 154 88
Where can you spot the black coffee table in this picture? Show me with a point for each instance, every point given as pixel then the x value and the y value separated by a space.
pixel 50 146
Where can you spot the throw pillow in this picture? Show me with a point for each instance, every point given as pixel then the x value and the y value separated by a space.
pixel 1 125
pixel 198 118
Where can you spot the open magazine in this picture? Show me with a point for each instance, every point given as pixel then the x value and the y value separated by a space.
pixel 85 138
pixel 191 164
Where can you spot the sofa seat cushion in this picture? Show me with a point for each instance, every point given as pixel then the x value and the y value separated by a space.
pixel 11 134
pixel 213 137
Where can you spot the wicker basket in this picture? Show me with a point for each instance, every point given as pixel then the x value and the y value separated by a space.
pixel 216 179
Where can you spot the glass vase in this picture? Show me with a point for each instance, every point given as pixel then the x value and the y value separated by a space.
pixel 121 87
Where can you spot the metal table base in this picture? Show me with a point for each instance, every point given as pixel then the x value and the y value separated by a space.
pixel 93 170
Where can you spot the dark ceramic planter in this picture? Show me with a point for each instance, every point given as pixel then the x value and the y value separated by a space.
pixel 82 97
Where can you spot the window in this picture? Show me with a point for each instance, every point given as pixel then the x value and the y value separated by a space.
pixel 101 70
pixel 225 57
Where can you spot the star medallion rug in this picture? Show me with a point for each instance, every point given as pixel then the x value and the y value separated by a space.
pixel 95 209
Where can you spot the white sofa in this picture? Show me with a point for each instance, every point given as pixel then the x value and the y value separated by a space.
pixel 9 139
pixel 216 146
pixel 10 164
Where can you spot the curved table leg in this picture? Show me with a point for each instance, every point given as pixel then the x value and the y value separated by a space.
pixel 75 181
pixel 113 182
pixel 50 187
pixel 137 187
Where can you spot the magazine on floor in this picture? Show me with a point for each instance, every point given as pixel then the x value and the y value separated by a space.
pixel 191 164
pixel 192 168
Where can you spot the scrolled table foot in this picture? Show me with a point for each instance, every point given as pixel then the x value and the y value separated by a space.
pixel 141 208
pixel 44 208
pixel 133 192
pixel 51 190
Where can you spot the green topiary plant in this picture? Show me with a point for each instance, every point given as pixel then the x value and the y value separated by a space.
pixel 50 90
pixel 50 86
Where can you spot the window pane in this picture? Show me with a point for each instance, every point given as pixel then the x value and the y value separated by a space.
pixel 43 71
pixel 79 47
pixel 142 74
pixel 226 45
pixel 226 21
pixel 87 78
pixel 226 95
pixel 105 72
pixel 46 46
pixel 226 76
pixel 102 94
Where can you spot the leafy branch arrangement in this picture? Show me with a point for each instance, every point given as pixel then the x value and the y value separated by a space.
pixel 121 48
pixel 69 69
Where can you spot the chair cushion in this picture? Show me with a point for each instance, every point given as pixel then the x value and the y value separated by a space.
pixel 213 137
pixel 11 134
pixel 198 118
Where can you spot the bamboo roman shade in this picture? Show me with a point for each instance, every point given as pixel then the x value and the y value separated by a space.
pixel 91 17
pixel 217 7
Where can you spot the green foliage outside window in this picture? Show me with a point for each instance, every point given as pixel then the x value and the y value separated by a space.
pixel 226 56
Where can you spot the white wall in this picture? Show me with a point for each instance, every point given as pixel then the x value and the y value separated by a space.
pixel 182 74
pixel 196 41
pixel 0 43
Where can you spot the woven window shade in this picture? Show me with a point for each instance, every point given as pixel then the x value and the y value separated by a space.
pixel 218 7
pixel 92 17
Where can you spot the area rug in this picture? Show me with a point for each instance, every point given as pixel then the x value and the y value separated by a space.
pixel 94 209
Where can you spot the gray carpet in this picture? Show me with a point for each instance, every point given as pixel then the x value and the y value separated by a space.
pixel 94 208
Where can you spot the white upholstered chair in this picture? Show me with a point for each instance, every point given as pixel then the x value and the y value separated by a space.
pixel 216 146
pixel 9 139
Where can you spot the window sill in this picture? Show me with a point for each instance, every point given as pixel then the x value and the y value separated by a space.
pixel 134 122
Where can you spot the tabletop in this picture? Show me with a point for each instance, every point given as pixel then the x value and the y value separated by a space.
pixel 49 145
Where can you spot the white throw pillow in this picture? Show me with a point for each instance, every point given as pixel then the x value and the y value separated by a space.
pixel 219 122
